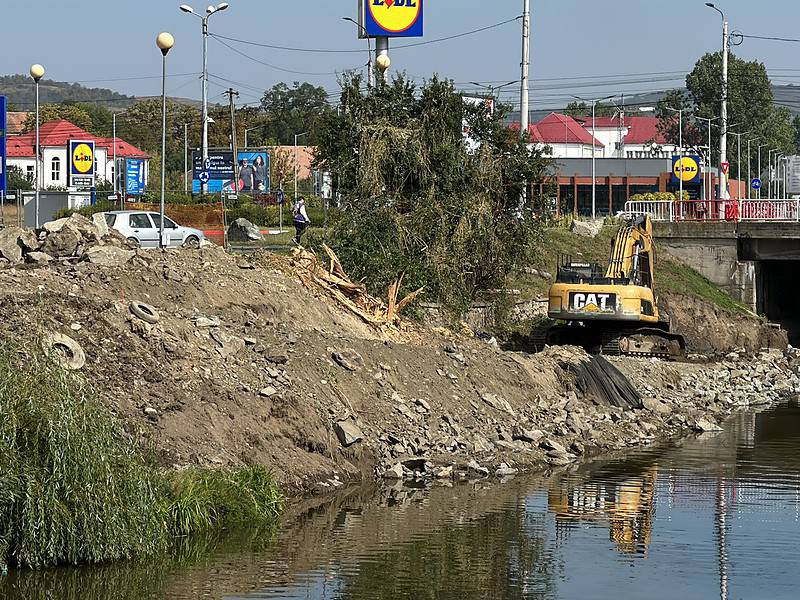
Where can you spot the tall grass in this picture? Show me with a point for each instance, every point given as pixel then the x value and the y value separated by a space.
pixel 75 489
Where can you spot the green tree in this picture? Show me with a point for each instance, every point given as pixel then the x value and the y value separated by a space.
pixel 73 113
pixel 750 107
pixel 17 180
pixel 293 110
pixel 418 200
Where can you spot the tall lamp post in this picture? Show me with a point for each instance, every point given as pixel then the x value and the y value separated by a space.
pixel 769 173
pixel 594 102
pixel 680 148
pixel 739 158
pixel 165 42
pixel 723 138
pixel 760 146
pixel 296 135
pixel 708 162
pixel 492 89
pixel 211 10
pixel 369 48
pixel 37 72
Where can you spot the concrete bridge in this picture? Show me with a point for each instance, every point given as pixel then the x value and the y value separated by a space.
pixel 758 263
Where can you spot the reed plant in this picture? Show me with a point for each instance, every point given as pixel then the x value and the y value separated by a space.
pixel 76 489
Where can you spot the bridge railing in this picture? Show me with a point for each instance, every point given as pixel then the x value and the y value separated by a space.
pixel 716 210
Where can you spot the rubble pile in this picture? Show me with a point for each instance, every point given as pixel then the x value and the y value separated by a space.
pixel 68 240
pixel 215 359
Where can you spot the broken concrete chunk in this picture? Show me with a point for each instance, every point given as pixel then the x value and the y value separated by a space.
pixel 505 470
pixel 531 436
pixel 348 433
pixel 497 403
pixel 108 256
pixel 268 391
pixel 552 445
pixel 9 246
pixel 205 322
pixel 473 465
pixel 704 425
pixel 99 222
pixel 242 230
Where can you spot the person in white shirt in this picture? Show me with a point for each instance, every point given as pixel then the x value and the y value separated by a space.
pixel 301 220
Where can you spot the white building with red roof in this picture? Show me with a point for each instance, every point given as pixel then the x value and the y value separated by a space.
pixel 54 137
pixel 611 137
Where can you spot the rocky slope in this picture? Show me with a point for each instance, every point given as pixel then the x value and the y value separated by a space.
pixel 216 359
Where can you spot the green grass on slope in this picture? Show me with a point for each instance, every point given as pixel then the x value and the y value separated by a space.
pixel 671 275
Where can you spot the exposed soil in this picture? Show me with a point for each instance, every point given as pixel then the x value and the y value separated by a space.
pixel 246 366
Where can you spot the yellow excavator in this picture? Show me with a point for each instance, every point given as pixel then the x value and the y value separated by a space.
pixel 613 310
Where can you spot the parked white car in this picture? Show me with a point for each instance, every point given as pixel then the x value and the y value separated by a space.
pixel 142 228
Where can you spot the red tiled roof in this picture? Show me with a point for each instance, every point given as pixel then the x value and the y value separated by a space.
pixel 556 128
pixel 641 130
pixel 58 133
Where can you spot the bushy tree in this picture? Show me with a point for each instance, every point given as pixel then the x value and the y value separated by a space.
pixel 292 110
pixel 582 109
pixel 417 199
pixel 750 108
pixel 73 113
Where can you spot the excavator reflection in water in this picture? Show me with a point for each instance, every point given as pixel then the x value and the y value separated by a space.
pixel 613 310
pixel 627 505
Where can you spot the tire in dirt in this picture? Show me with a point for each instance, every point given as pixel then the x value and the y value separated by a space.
pixel 145 312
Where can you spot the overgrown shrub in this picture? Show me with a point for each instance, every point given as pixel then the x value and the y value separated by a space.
pixel 87 211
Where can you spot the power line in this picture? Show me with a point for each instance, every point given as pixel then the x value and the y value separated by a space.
pixel 337 51
pixel 770 38
pixel 266 64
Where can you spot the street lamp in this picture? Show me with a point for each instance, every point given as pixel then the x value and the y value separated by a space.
pixel 369 48
pixel 680 148
pixel 759 165
pixel 296 135
pixel 165 42
pixel 594 102
pixel 37 72
pixel 739 159
pixel 769 178
pixel 492 89
pixel 708 162
pixel 723 139
pixel 211 10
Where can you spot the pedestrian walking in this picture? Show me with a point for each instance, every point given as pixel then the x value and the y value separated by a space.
pixel 301 220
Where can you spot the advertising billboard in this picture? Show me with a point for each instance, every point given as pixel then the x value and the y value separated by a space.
pixel 686 168
pixel 254 172
pixel 80 155
pixel 392 18
pixel 3 122
pixel 792 176
pixel 134 177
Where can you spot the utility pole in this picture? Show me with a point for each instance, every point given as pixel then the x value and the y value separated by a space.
pixel 231 95
pixel 526 50
pixel 185 158
pixel 381 49
pixel 749 181
pixel 723 138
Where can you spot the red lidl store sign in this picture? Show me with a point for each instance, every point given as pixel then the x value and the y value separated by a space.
pixel 393 18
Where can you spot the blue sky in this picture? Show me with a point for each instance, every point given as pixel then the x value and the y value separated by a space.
pixel 96 41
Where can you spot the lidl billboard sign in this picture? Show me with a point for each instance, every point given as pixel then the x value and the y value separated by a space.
pixel 81 163
pixel 392 18
pixel 686 168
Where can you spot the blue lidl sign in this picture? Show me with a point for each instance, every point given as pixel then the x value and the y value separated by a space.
pixel 134 177
pixel 3 123
pixel 393 18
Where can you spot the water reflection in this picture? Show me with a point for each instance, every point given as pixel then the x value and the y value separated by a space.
pixel 715 516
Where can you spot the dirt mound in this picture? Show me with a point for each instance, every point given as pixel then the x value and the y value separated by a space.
pixel 709 329
pixel 217 359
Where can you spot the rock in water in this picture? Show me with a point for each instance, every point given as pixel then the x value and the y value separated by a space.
pixel 242 230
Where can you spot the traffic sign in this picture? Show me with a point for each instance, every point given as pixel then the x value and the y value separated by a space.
pixel 726 166
pixel 280 197
pixel 756 184
pixel 207 164
pixel 203 177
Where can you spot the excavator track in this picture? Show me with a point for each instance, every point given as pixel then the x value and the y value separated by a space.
pixel 643 342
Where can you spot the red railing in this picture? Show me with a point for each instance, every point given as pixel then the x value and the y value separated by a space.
pixel 717 210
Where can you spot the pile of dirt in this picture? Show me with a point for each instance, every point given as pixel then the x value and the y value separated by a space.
pixel 709 329
pixel 222 360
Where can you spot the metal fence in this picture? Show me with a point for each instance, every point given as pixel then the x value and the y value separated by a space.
pixel 669 211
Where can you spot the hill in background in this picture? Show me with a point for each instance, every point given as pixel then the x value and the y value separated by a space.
pixel 21 94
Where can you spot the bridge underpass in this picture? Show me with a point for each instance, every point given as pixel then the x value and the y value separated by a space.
pixel 758 263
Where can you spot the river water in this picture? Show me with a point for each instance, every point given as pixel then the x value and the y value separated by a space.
pixel 716 516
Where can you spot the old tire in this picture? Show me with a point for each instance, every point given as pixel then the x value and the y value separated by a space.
pixel 133 243
pixel 65 351
pixel 192 242
pixel 145 312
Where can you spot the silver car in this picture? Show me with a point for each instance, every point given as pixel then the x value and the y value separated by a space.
pixel 142 228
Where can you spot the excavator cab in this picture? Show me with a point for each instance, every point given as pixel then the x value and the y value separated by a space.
pixel 613 309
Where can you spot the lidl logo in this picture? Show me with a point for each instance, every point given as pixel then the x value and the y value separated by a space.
pixel 81 161
pixel 394 18
pixel 686 168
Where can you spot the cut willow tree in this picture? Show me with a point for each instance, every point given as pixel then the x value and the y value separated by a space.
pixel 420 198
